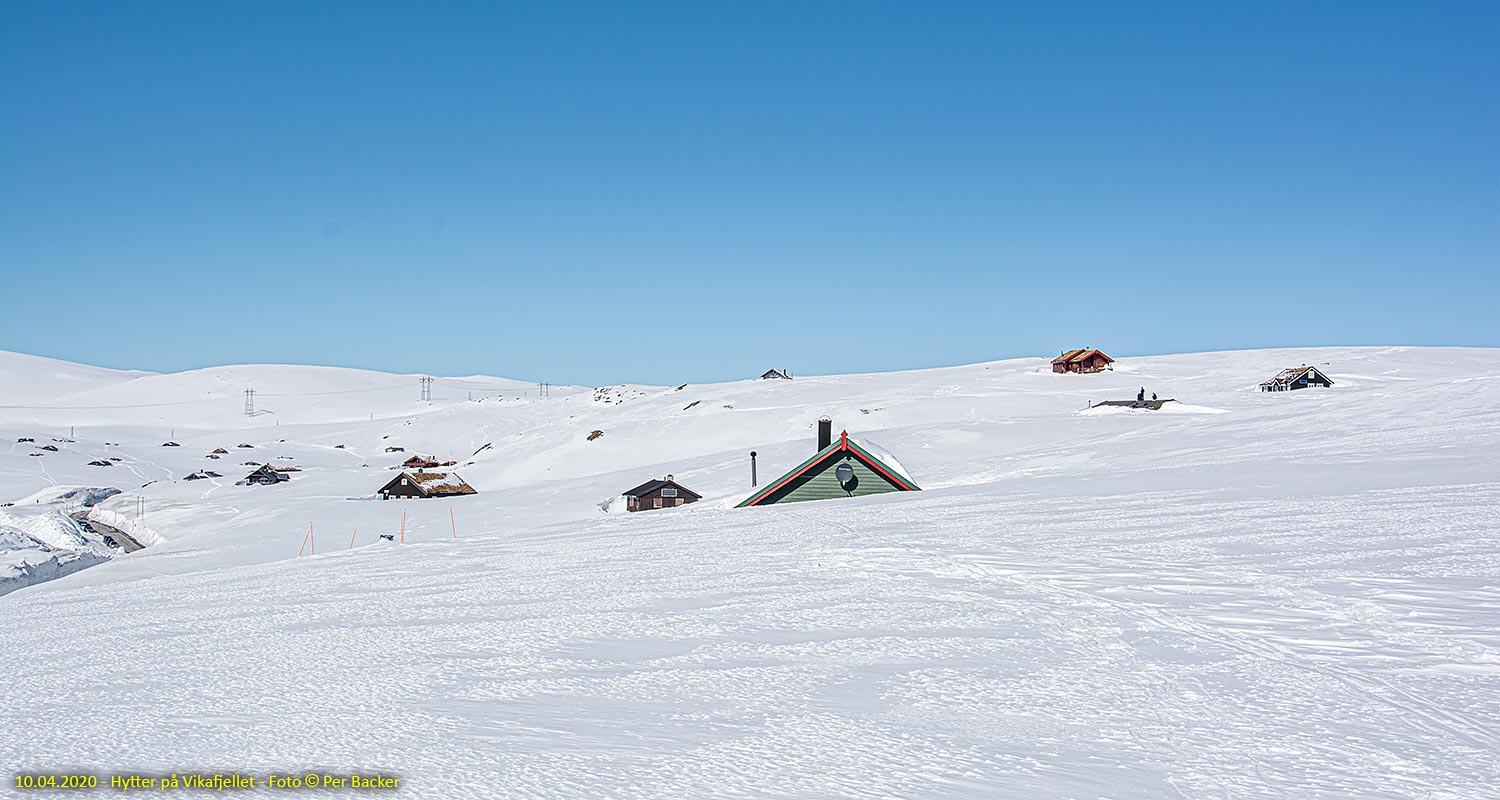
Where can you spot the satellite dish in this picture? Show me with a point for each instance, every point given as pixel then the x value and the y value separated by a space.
pixel 844 473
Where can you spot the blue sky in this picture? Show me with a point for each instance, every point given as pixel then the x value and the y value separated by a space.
pixel 665 192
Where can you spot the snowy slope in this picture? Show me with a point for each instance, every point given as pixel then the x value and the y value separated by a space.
pixel 1259 595
pixel 37 380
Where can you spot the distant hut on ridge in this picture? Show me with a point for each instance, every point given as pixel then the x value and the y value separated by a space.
pixel 1293 378
pixel 1084 361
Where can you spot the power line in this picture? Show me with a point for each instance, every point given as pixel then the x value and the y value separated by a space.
pixel 195 402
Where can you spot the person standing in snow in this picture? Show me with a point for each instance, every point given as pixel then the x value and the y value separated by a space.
pixel 1140 397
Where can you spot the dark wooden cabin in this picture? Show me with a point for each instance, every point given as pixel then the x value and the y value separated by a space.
pixel 265 475
pixel 425 484
pixel 664 493
pixel 1294 378
pixel 1082 361
pixel 776 374
pixel 420 462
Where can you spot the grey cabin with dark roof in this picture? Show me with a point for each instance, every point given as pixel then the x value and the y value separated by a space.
pixel 663 493
pixel 1294 378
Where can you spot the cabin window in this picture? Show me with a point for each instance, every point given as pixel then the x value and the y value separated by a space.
pixel 405 482
pixel 669 492
pixel 657 502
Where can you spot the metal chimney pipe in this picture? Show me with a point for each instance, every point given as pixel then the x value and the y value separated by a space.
pixel 752 468
pixel 825 433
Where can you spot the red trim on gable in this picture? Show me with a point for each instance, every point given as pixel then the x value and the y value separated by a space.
pixel 874 463
pixel 770 490
pixel 843 446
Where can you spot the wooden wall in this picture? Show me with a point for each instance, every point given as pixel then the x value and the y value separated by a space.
pixel 820 483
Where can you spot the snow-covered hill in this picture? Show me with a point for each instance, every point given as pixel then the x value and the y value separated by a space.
pixel 41 381
pixel 1242 595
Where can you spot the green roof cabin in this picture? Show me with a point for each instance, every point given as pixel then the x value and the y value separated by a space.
pixel 839 469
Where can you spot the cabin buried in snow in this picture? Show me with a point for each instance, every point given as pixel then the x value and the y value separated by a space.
pixel 425 484
pixel 265 475
pixel 845 468
pixel 663 493
pixel 1082 361
pixel 1294 378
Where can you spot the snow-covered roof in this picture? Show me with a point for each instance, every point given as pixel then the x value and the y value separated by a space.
pixel 440 482
pixel 1291 374
pixel 652 485
pixel 886 457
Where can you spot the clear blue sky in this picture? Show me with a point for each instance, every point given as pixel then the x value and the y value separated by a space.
pixel 660 192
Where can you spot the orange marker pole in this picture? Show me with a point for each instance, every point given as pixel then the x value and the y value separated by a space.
pixel 453 522
pixel 351 538
pixel 304 542
pixel 403 527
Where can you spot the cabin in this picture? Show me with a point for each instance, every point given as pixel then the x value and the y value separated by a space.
pixel 395 449
pixel 1083 361
pixel 202 475
pixel 220 451
pixel 420 462
pixel 425 484
pixel 1293 378
pixel 845 468
pixel 245 446
pixel 265 475
pixel 170 444
pixel 776 374
pixel 663 493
